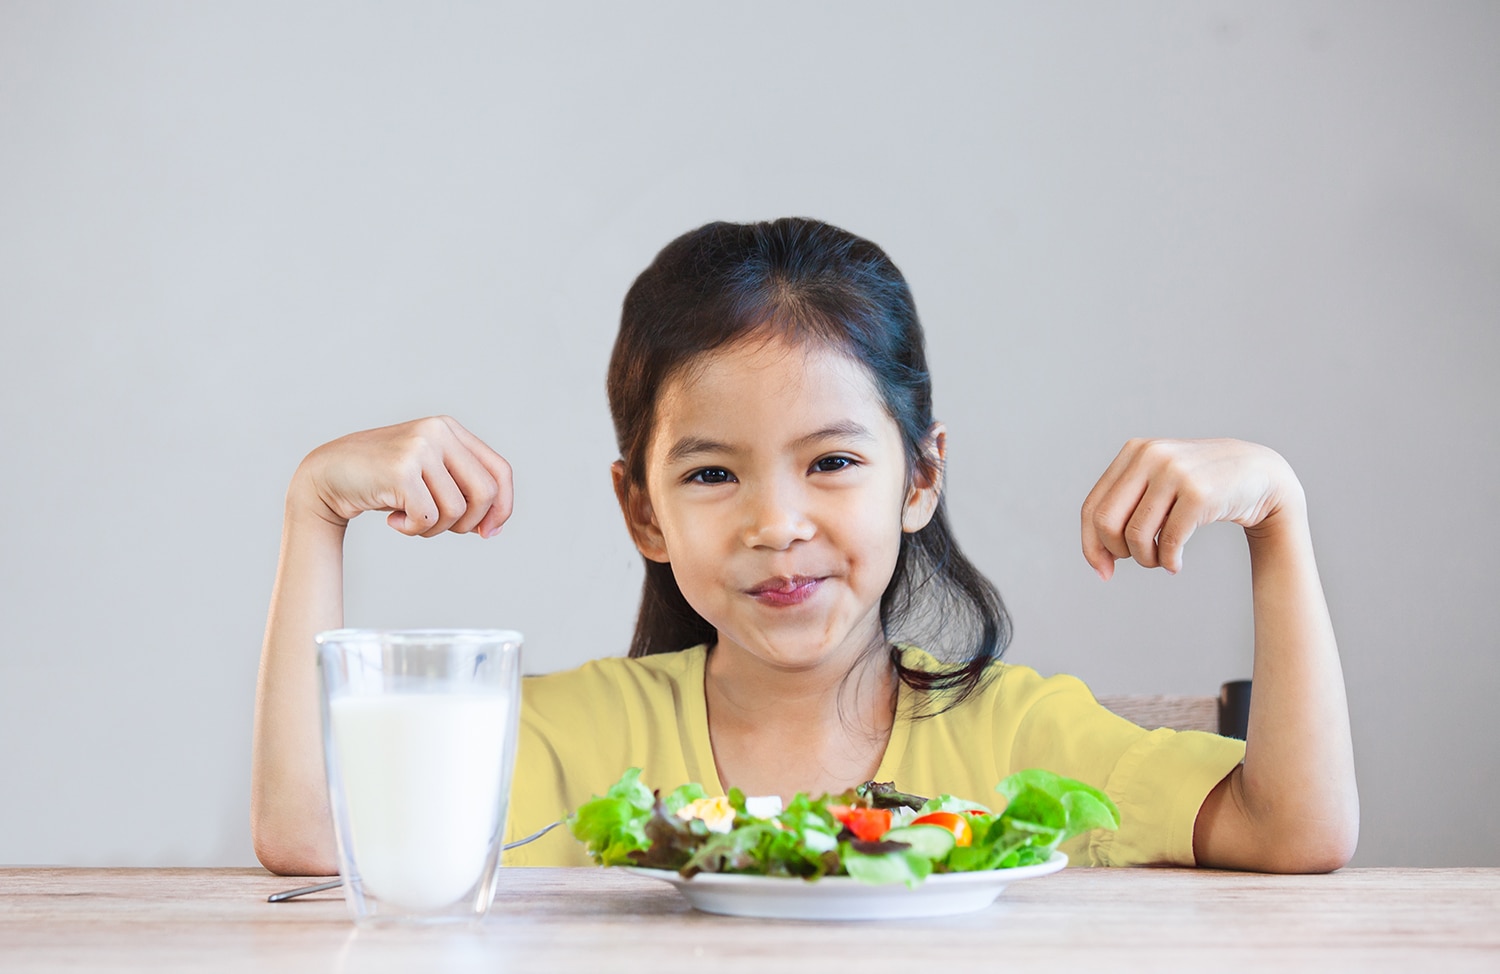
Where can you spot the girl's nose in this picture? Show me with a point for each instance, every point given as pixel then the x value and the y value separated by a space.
pixel 776 518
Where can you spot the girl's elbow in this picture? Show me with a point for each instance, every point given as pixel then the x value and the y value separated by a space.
pixel 1322 849
pixel 276 861
pixel 285 852
pixel 1335 850
pixel 284 861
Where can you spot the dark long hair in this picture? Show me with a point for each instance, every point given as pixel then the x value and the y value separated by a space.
pixel 807 281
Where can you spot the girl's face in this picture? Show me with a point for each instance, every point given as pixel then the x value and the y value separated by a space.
pixel 776 489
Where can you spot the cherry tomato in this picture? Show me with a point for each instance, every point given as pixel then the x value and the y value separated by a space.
pixel 963 834
pixel 868 824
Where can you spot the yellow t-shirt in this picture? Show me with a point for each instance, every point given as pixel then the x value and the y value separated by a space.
pixel 582 728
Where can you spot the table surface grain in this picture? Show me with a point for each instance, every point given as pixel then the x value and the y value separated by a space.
pixel 1099 920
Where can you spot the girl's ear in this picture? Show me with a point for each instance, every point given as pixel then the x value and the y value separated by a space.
pixel 640 520
pixel 926 481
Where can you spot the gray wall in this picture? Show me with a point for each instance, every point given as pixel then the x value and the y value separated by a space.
pixel 229 232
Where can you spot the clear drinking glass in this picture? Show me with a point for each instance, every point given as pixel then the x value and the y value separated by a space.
pixel 419 739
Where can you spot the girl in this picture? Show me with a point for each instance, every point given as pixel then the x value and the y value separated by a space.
pixel 807 621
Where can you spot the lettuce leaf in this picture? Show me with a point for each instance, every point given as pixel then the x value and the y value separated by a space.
pixel 901 865
pixel 613 827
pixel 1083 807
pixel 1043 810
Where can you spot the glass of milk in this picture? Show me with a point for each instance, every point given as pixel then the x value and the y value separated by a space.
pixel 419 737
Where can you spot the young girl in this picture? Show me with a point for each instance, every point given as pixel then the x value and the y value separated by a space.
pixel 808 621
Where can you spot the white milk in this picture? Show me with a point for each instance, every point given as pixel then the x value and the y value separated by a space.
pixel 421 780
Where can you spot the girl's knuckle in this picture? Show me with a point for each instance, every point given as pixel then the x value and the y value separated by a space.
pixel 484 492
pixel 1158 451
pixel 409 468
pixel 431 427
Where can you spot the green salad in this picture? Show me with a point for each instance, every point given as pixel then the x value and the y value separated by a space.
pixel 873 833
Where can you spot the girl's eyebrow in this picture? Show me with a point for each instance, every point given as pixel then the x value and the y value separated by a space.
pixel 844 429
pixel 691 446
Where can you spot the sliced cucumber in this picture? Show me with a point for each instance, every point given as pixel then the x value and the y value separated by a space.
pixel 930 841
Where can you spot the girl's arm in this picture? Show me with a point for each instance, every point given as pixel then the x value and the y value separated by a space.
pixel 1293 805
pixel 433 476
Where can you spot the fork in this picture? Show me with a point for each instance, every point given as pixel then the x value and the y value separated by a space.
pixel 290 894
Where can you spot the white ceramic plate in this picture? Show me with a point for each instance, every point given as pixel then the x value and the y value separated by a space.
pixel 843 898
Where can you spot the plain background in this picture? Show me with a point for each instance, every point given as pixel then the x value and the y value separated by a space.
pixel 230 232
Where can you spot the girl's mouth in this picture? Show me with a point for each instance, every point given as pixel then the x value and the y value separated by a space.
pixel 785 591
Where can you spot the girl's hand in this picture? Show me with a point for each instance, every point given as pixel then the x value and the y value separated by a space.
pixel 431 474
pixel 1156 493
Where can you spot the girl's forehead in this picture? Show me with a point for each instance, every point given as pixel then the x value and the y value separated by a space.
pixel 777 367
pixel 768 390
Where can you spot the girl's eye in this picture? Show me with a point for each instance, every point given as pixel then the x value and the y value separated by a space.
pixel 832 464
pixel 710 475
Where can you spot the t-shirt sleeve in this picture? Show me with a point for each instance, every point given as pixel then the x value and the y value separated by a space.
pixel 1158 778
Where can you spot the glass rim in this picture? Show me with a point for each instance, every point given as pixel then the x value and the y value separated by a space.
pixel 406 637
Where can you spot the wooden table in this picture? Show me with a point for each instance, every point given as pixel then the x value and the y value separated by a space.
pixel 1097 920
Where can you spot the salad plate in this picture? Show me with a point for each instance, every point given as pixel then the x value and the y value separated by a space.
pixel 845 898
